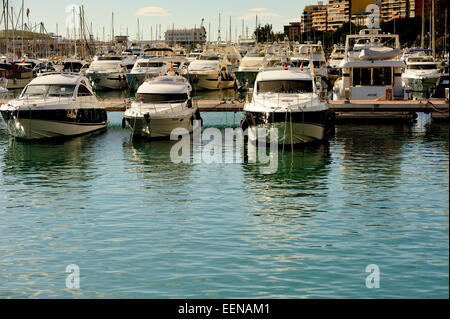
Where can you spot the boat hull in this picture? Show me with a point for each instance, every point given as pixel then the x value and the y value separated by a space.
pixel 51 124
pixel 302 128
pixel 421 84
pixel 209 82
pixel 159 126
pixel 13 84
pixel 107 81
pixel 135 80
pixel 246 79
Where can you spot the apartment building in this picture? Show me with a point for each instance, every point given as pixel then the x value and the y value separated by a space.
pixel 319 18
pixel 292 31
pixel 308 16
pixel 186 36
pixel 397 9
pixel 338 12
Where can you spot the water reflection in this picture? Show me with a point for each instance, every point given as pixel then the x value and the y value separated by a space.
pixel 293 189
pixel 50 161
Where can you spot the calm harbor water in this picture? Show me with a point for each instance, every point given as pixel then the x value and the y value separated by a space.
pixel 140 226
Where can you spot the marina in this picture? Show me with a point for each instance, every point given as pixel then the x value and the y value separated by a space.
pixel 224 158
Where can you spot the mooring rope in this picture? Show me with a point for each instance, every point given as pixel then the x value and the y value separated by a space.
pixel 435 108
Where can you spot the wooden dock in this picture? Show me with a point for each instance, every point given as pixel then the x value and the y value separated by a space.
pixel 439 107
pixel 430 105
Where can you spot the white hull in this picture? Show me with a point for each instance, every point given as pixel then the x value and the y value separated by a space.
pixel 301 133
pixel 108 81
pixel 209 82
pixel 39 129
pixel 13 84
pixel 159 126
pixel 420 84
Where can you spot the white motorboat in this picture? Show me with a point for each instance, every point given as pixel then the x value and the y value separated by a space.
pixel 211 72
pixel 371 76
pixel 146 68
pixel 54 105
pixel 15 75
pixel 315 52
pixel 162 104
pixel 75 66
pixel 107 73
pixel 287 99
pixel 250 65
pixel 422 72
pixel 336 56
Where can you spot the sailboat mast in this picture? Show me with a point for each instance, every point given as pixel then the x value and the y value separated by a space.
pixel 433 45
pixel 23 28
pixel 422 44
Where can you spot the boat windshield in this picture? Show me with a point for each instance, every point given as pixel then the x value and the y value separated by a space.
pixel 51 90
pixel 150 64
pixel 209 58
pixel 422 66
pixel 285 86
pixel 300 63
pixel 161 98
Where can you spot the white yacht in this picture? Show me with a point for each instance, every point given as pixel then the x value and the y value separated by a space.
pixel 422 72
pixel 162 104
pixel 250 65
pixel 75 66
pixel 54 105
pixel 371 69
pixel 287 99
pixel 315 52
pixel 107 73
pixel 146 68
pixel 211 72
pixel 336 57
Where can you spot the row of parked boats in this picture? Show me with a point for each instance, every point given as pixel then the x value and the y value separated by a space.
pixel 287 85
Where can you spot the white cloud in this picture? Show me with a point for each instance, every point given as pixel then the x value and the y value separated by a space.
pixel 297 19
pixel 261 12
pixel 153 12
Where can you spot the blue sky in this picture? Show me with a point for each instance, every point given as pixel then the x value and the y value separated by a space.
pixel 181 13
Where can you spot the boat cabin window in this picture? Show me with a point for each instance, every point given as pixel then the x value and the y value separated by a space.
pixel 160 98
pixel 298 64
pixel 83 91
pixel 72 66
pixel 422 66
pixel 319 64
pixel 285 86
pixel 372 76
pixel 150 64
pixel 209 58
pixel 48 90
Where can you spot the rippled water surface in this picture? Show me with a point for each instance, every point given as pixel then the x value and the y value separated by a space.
pixel 140 226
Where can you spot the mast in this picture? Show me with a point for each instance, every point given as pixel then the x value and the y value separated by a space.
pixel 433 44
pixel 22 29
pixel 112 28
pixel 422 44
pixel 445 31
pixel 230 29
pixel 138 33
pixel 218 33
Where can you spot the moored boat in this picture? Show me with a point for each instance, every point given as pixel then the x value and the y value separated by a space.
pixel 54 105
pixel 162 105
pixel 288 100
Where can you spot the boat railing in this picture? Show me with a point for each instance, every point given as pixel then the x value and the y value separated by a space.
pixel 79 101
